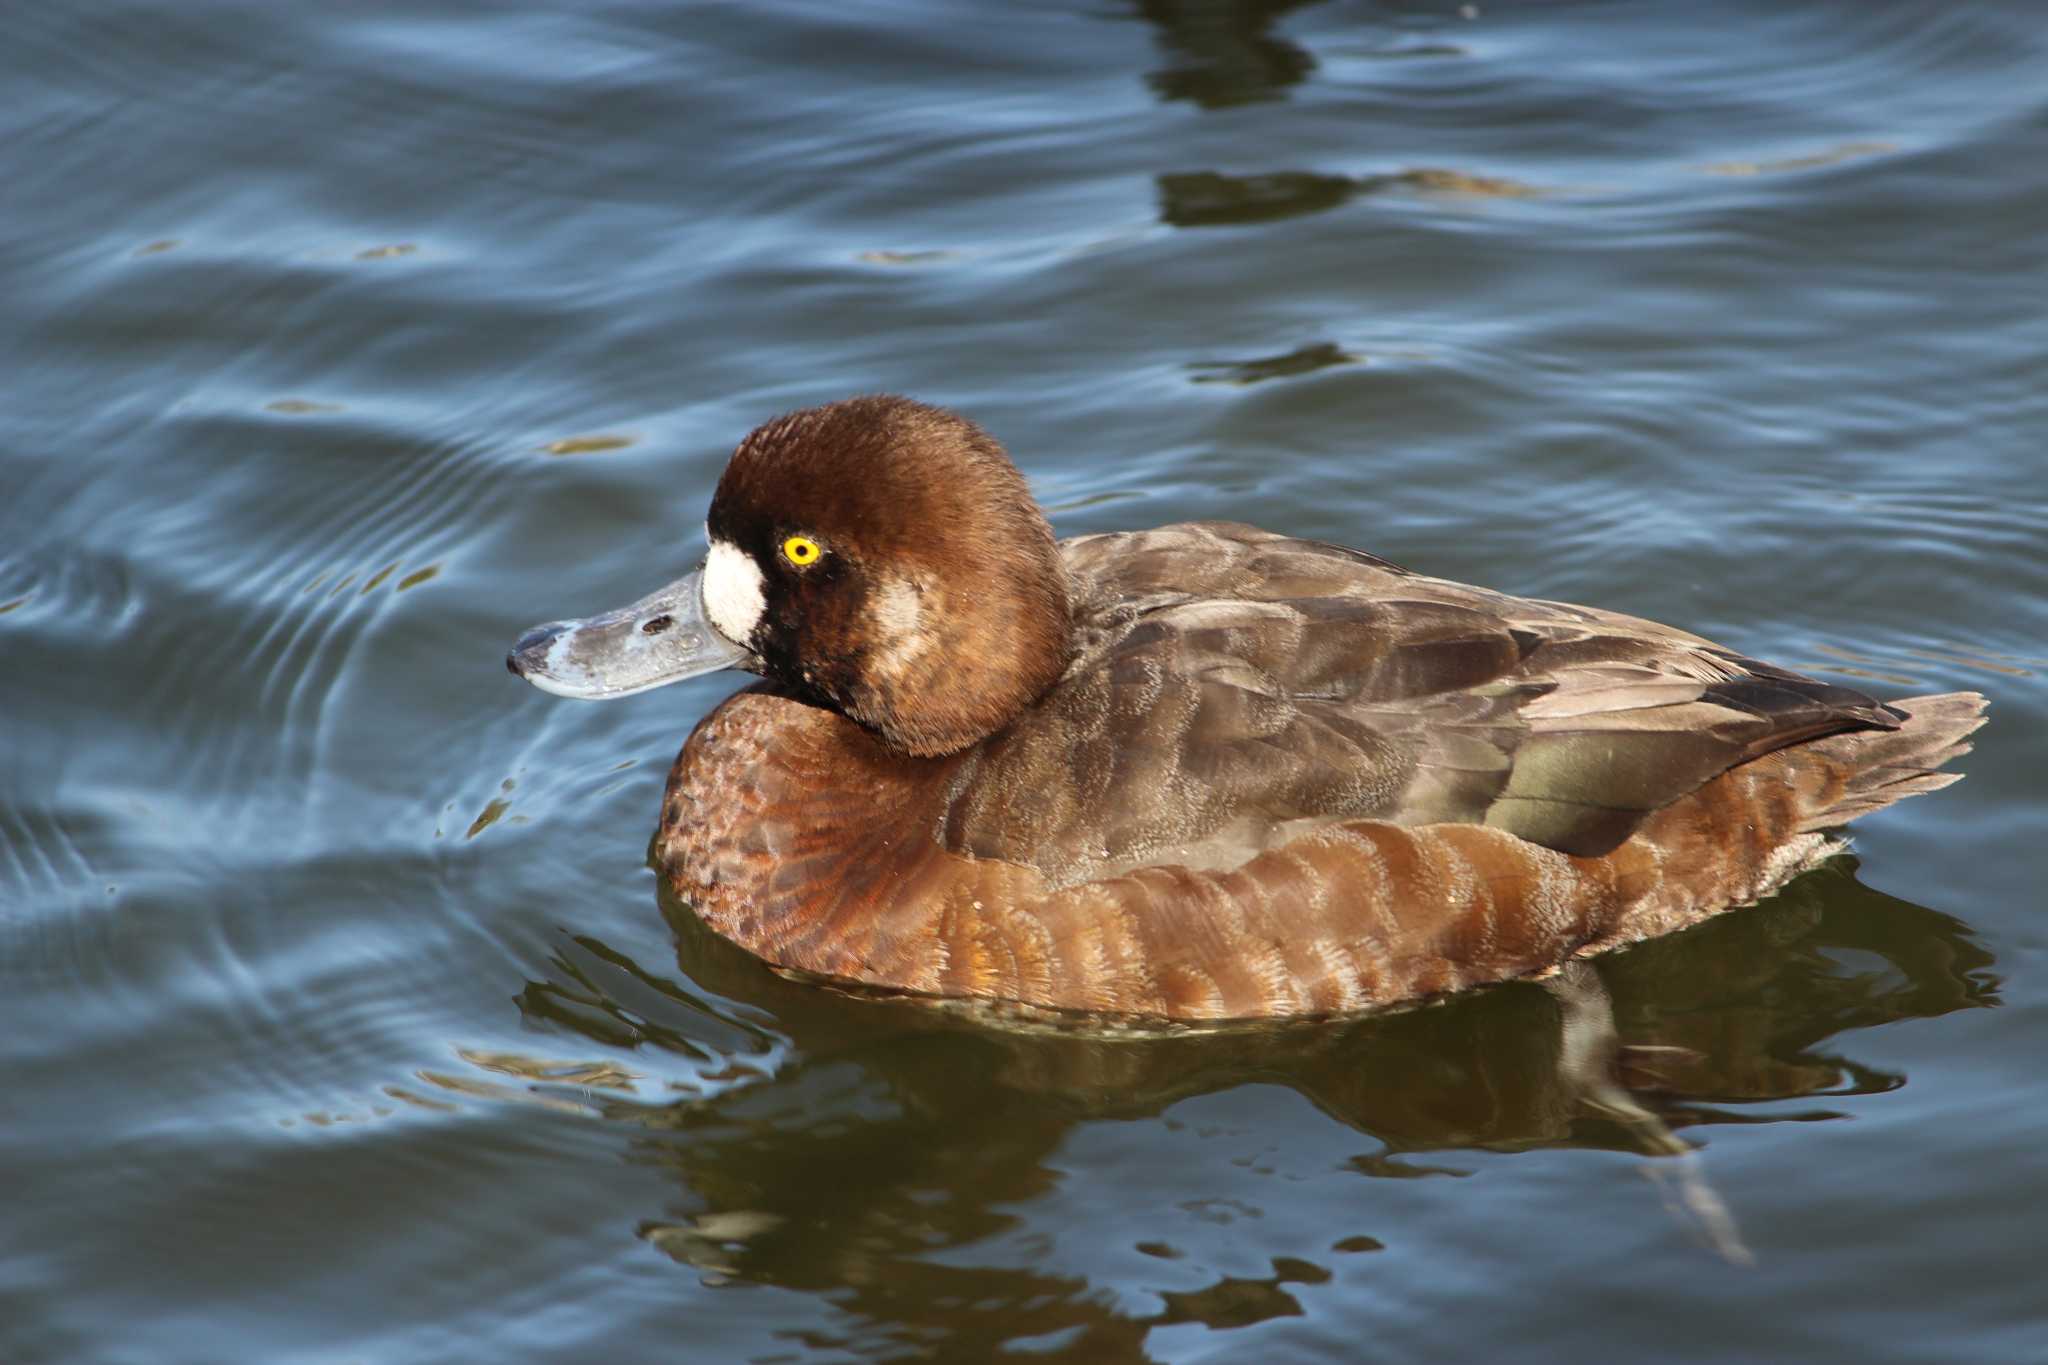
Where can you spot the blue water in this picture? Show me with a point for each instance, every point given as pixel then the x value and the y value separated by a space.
pixel 342 1019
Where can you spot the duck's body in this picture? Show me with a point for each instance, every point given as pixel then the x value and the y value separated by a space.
pixel 1230 775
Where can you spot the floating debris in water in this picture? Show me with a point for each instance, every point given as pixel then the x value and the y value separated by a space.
pixel 1848 151
pixel 586 445
pixel 908 257
pixel 1439 180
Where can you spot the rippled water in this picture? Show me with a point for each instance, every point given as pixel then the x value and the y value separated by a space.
pixel 343 1022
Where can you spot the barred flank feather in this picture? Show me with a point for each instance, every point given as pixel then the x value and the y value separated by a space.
pixel 845 879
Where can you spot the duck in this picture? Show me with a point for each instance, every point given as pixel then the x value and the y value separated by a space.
pixel 1197 774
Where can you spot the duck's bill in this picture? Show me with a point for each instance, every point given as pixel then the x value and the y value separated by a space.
pixel 663 638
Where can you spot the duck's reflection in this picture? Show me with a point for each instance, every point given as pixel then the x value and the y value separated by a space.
pixel 889 1134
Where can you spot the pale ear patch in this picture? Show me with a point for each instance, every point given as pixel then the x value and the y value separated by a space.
pixel 898 608
pixel 733 596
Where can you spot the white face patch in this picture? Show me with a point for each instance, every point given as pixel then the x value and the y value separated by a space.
pixel 732 591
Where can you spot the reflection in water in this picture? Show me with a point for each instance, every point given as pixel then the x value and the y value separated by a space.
pixel 1223 52
pixel 857 1147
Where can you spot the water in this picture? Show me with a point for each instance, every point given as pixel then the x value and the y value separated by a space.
pixel 343 1022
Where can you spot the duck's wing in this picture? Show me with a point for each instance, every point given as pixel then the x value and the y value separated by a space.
pixel 1235 687
pixel 1600 720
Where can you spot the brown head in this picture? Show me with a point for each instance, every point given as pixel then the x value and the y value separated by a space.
pixel 878 555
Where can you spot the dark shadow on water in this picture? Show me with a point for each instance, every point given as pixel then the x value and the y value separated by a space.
pixel 1318 355
pixel 1205 199
pixel 892 1133
pixel 1212 199
pixel 1223 53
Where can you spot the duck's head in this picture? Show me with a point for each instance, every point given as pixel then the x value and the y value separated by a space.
pixel 879 556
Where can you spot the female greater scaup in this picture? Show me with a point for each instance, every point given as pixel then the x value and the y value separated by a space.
pixel 1197 773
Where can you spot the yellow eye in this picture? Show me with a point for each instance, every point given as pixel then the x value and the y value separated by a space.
pixel 801 551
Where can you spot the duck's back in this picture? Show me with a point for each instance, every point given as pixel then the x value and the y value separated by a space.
pixel 1280 777
pixel 1235 688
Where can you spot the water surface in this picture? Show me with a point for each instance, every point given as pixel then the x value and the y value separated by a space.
pixel 343 1019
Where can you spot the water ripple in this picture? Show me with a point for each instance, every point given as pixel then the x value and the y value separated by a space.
pixel 348 343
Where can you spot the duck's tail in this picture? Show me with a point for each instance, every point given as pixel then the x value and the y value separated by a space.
pixel 1879 767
